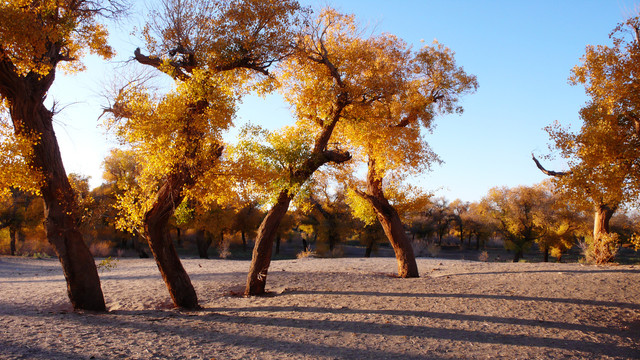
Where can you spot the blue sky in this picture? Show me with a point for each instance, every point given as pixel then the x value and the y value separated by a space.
pixel 521 52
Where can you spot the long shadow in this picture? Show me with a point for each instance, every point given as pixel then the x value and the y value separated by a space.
pixel 525 271
pixel 195 331
pixel 614 304
pixel 214 334
pixel 436 315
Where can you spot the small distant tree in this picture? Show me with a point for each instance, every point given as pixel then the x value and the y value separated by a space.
pixel 562 221
pixel 459 210
pixel 439 213
pixel 518 213
pixel 20 211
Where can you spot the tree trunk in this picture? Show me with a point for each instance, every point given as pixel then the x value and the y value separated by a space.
pixel 261 258
pixel 244 241
pixel 156 231
pixel 369 249
pixel 305 245
pixel 278 239
pixel 13 234
pixel 545 253
pixel 602 216
pixel 391 224
pixel 137 246
pixel 31 119
pixel 178 237
pixel 602 252
pixel 518 255
pixel 203 243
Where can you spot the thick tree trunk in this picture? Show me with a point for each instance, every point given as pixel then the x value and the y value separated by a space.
pixel 391 224
pixel 602 216
pixel 31 119
pixel 261 259
pixel 156 232
pixel 545 253
pixel 602 252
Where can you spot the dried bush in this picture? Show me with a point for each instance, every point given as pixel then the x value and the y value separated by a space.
pixel 225 249
pixel 433 249
pixel 307 254
pixel 484 256
pixel 101 248
pixel 34 246
pixel 602 251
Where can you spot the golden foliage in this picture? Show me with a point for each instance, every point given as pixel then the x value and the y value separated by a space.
pixel 14 152
pixel 36 36
pixel 604 156
pixel 213 50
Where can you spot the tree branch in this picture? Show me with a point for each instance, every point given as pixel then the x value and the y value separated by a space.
pixel 549 172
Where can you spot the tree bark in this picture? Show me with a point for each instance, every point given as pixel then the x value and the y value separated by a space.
pixel 545 253
pixel 31 119
pixel 262 249
pixel 391 224
pixel 155 228
pixel 261 258
pixel 602 216
pixel 601 219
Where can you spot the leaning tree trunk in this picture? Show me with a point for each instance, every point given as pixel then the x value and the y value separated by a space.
pixel 156 220
pixel 391 224
pixel 31 119
pixel 261 258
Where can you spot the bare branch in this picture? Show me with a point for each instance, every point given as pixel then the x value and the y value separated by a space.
pixel 549 172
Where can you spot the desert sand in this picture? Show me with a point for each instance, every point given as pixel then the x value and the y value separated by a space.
pixel 346 308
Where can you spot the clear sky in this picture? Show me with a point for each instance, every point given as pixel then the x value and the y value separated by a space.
pixel 521 52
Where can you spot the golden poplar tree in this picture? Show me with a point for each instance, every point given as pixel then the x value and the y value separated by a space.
pixel 332 73
pixel 417 88
pixel 213 51
pixel 604 155
pixel 36 39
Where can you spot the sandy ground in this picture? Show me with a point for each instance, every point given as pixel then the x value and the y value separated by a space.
pixel 329 309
